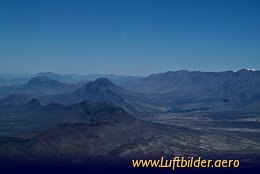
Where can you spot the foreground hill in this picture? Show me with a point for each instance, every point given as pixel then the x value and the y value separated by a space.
pixel 111 133
pixel 32 116
pixel 14 99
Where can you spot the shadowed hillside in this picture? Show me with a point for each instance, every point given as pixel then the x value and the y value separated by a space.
pixel 111 133
pixel 32 116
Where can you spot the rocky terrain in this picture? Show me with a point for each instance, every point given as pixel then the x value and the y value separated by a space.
pixel 109 132
pixel 181 113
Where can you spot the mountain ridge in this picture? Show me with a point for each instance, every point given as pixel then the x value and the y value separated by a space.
pixel 222 89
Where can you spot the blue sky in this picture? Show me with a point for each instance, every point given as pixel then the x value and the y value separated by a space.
pixel 134 37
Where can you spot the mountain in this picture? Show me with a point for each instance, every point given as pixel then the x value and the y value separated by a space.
pixel 43 82
pixel 33 116
pixel 49 90
pixel 37 86
pixel 110 133
pixel 121 80
pixel 99 90
pixel 50 75
pixel 207 90
pixel 10 79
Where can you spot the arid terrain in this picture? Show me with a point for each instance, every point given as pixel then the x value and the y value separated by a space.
pixel 97 121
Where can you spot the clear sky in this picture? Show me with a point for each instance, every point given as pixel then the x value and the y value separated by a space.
pixel 135 37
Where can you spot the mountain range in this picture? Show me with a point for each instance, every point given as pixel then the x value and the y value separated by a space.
pixel 211 114
pixel 179 91
pixel 21 78
pixel 202 90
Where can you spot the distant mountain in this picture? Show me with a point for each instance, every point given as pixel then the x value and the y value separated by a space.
pixel 37 86
pixel 10 79
pixel 43 82
pixel 195 89
pixel 49 90
pixel 99 90
pixel 51 75
pixel 120 80
pixel 180 91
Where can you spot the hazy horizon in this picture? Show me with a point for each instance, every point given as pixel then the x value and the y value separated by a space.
pixel 32 73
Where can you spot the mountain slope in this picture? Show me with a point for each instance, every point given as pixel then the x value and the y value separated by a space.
pixel 99 90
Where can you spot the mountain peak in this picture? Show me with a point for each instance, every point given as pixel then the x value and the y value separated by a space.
pixel 103 82
pixel 50 75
